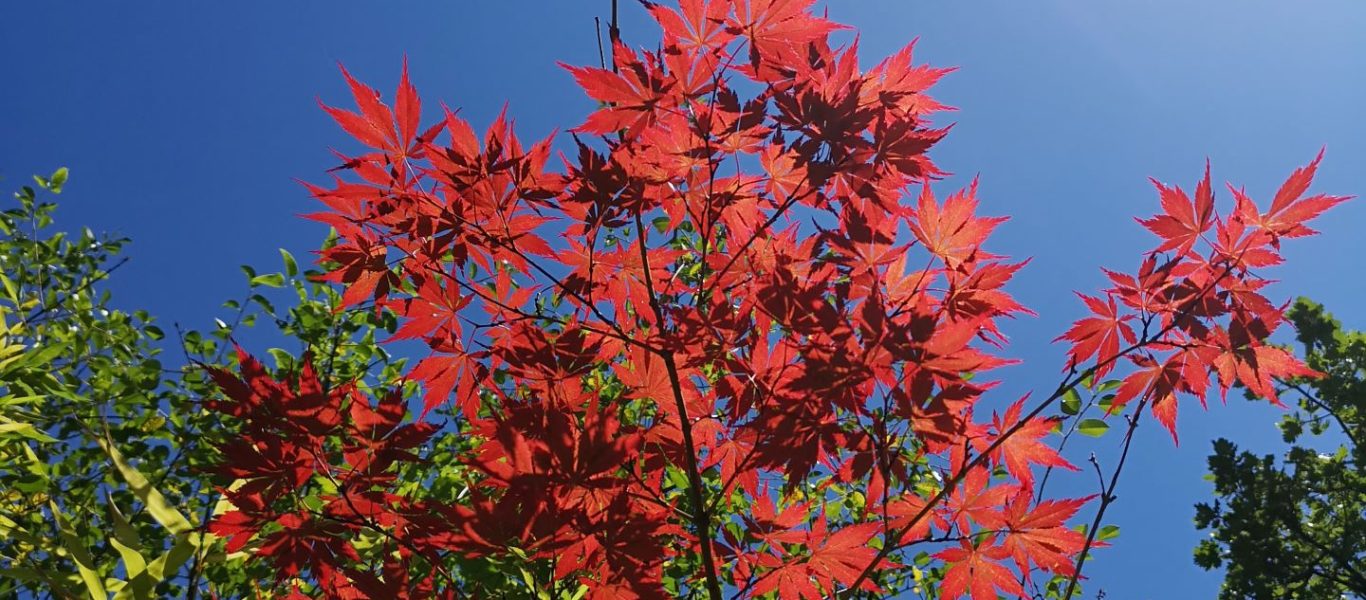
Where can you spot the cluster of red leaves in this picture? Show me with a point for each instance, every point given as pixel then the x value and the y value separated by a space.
pixel 1197 315
pixel 772 339
pixel 300 437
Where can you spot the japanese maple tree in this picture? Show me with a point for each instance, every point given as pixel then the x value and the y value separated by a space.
pixel 732 343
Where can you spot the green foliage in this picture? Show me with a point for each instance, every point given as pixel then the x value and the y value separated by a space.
pixel 75 370
pixel 103 444
pixel 1294 526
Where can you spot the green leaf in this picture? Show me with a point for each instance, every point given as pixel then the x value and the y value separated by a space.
pixel 264 303
pixel 1108 532
pixel 661 224
pixel 1093 427
pixel 1071 402
pixel 15 400
pixel 173 559
pixel 291 267
pixel 269 279
pixel 22 574
pixel 57 180
pixel 37 361
pixel 1107 403
pixel 41 358
pixel 528 578
pixel 36 466
pixel 283 359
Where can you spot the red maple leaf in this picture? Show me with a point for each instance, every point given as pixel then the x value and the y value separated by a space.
pixel 977 570
pixel 1022 448
pixel 1185 221
pixel 633 96
pixel 698 25
pixel 1289 209
pixel 1100 335
pixel 975 501
pixel 834 560
pixel 1037 533
pixel 774 27
pixel 1244 356
pixel 951 231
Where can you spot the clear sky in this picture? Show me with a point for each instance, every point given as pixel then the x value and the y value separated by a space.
pixel 185 125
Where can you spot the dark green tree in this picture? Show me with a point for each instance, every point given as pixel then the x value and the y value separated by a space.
pixel 1294 526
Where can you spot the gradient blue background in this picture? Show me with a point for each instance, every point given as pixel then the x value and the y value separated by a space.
pixel 185 125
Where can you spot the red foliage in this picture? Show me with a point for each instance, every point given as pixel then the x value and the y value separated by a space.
pixel 633 398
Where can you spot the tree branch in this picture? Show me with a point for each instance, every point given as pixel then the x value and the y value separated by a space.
pixel 701 517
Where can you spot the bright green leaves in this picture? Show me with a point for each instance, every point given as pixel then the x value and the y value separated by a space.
pixel 75 512
pixel 11 428
pixel 66 359
pixel 53 183
pixel 1077 412
pixel 125 541
pixel 1107 532
pixel 142 575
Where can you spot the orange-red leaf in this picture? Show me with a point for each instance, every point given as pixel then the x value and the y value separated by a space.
pixel 1184 220
pixel 1100 335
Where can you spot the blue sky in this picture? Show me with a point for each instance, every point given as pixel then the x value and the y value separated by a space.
pixel 185 125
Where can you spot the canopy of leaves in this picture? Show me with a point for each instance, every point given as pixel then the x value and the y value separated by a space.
pixel 733 340
pixel 1294 525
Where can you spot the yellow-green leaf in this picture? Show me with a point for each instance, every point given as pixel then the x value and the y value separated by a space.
pixel 156 504
pixel 129 547
pixel 84 563
pixel 11 290
pixel 171 561
pixel 24 429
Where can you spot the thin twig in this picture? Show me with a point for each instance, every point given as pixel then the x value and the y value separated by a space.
pixel 1107 496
